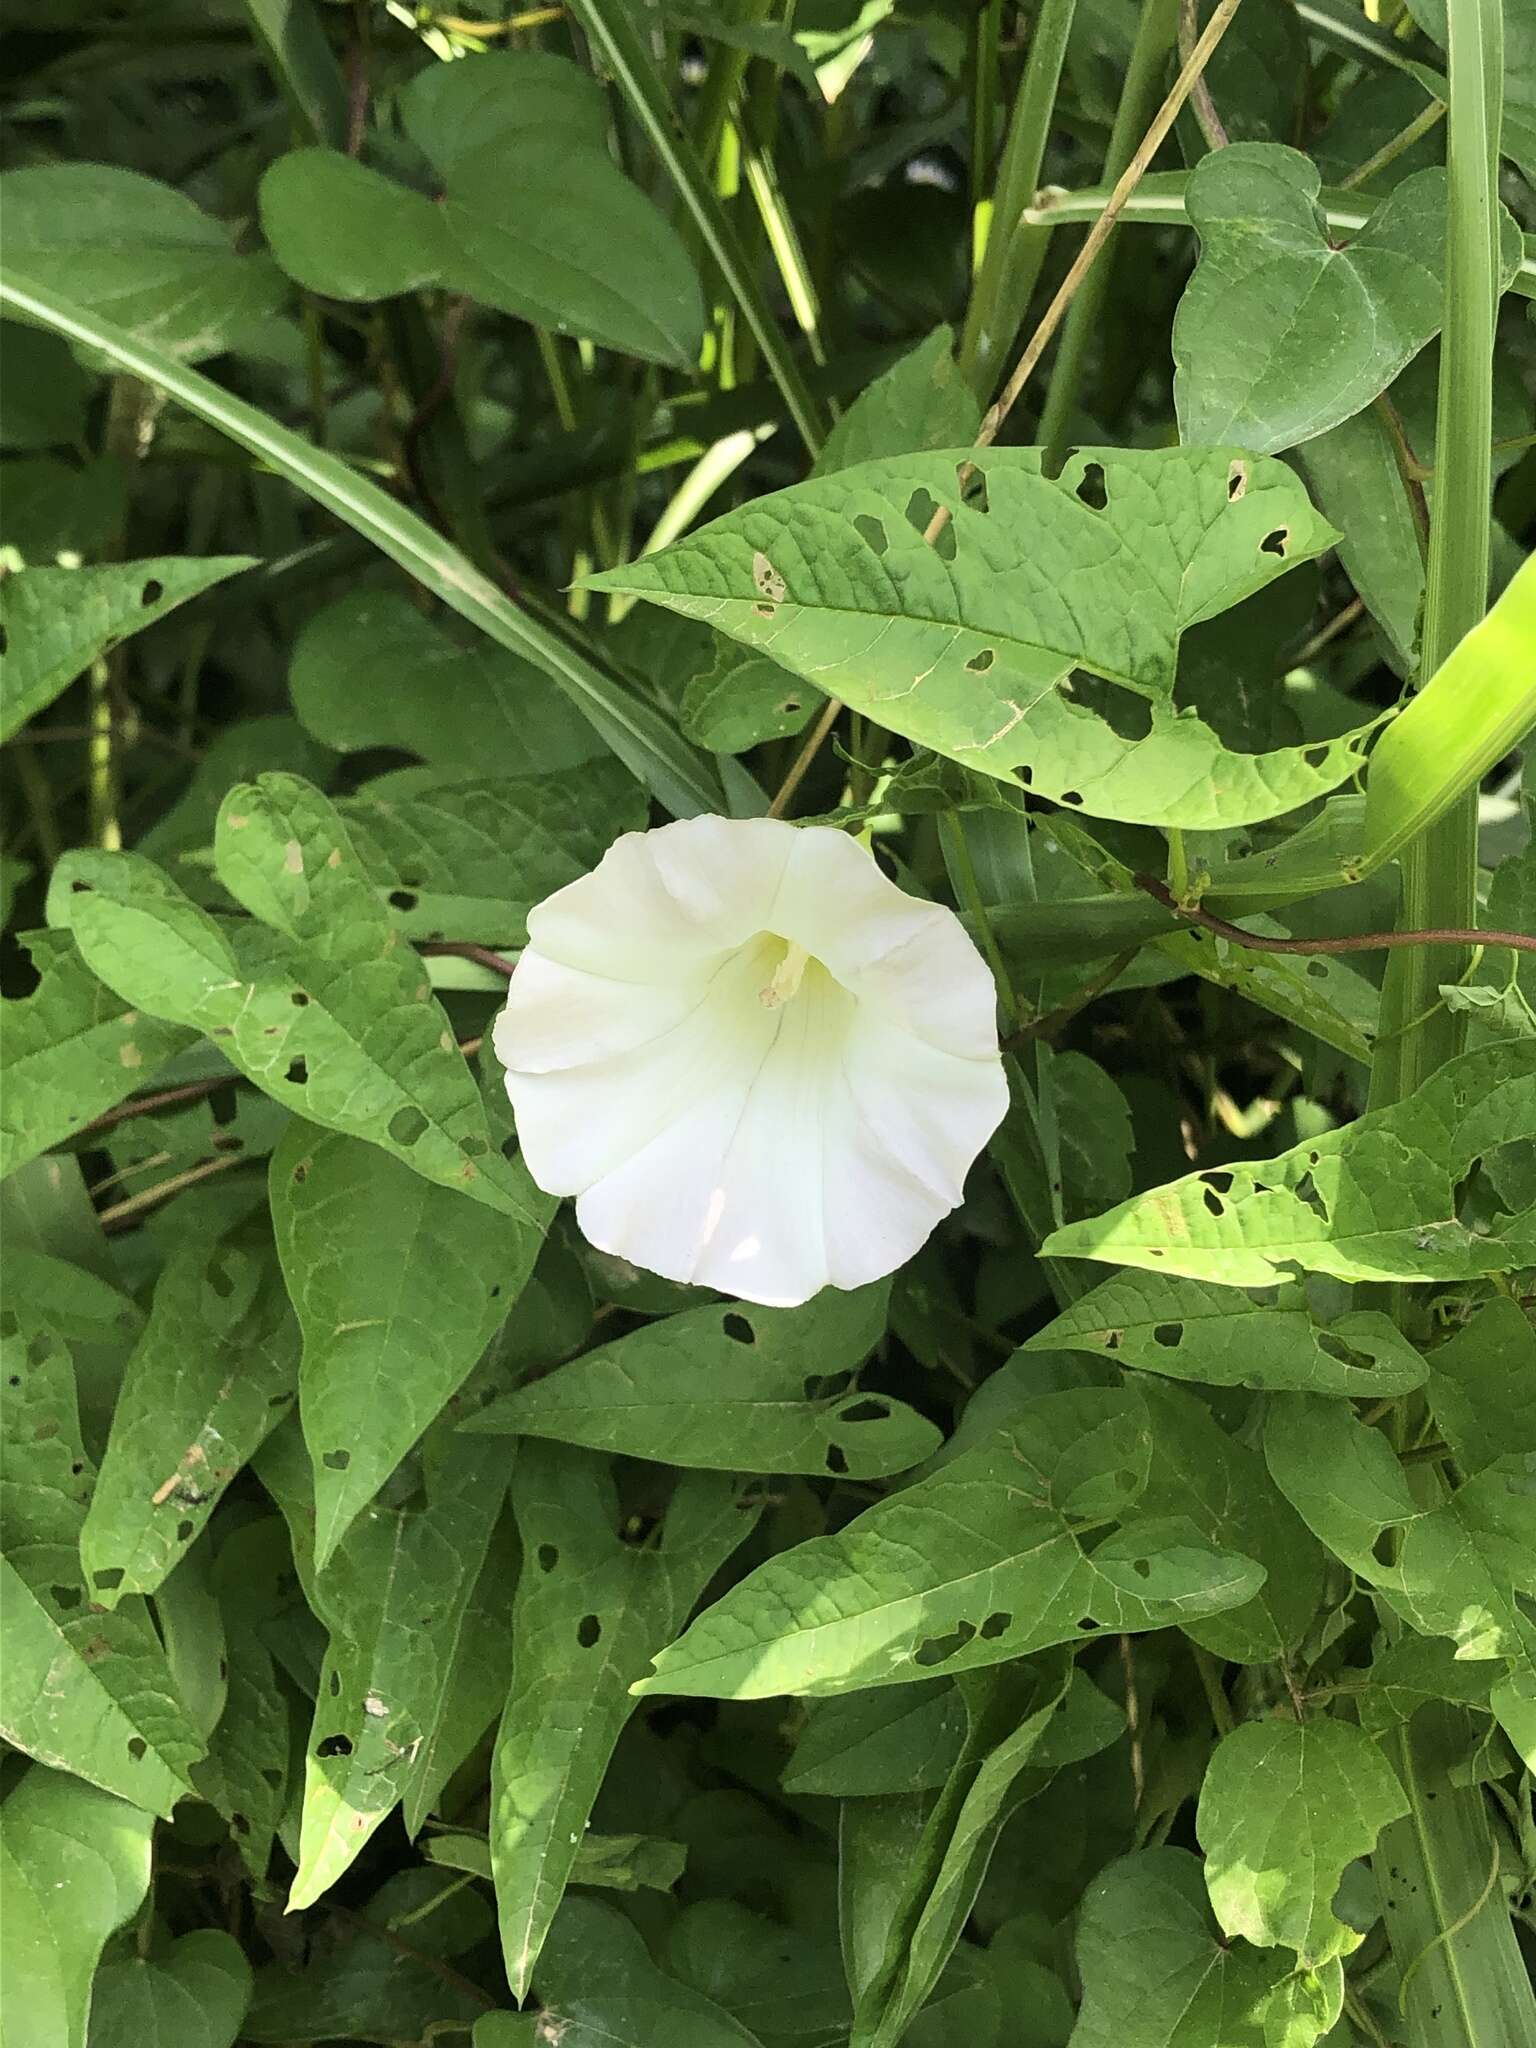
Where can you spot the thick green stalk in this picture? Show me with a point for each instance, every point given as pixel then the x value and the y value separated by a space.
pixel 1013 253
pixel 612 33
pixel 1139 100
pixel 1464 1982
pixel 1439 868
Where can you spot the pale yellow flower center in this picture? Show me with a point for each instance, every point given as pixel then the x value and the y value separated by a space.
pixel 789 963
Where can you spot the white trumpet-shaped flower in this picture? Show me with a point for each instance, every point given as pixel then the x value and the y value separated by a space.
pixel 757 1063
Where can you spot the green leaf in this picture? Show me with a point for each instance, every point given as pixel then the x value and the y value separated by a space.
pixel 1455 1567
pixel 71 1050
pixel 193 1996
pixel 215 1370
pixel 1352 474
pixel 1156 1973
pixel 600 1989
pixel 355 1044
pixel 1193 1330
pixel 46 391
pixel 732 1389
pixel 473 858
pixel 136 252
pixel 541 224
pixel 591 1611
pixel 371 671
pixel 61 1839
pixel 1281 333
pixel 779 1980
pixel 1482 1386
pixel 399 1286
pixel 1372 1200
pixel 82 1689
pixel 244 1776
pixel 56 622
pixel 980 1563
pixel 1008 1713
pixel 892 1738
pixel 921 402
pixel 967 644
pixel 1200 1474
pixel 739 703
pixel 1285 1806
pixel 622 1863
pixel 394 1599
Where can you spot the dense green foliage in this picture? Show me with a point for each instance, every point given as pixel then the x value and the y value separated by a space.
pixel 437 443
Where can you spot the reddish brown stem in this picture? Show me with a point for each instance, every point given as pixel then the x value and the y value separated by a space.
pixel 1356 942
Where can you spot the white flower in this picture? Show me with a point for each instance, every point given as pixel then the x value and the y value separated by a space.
pixel 757 1063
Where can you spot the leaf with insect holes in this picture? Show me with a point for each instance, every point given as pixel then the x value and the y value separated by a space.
pixel 1372 1200
pixel 740 702
pixel 977 1564
pixel 592 1609
pixel 393 1599
pixel 1156 1973
pixel 1193 1330
pixel 215 1370
pixel 732 1389
pixel 61 1838
pixel 71 1049
pixel 55 622
pixel 82 1689
pixel 920 402
pixel 1462 1566
pixel 349 1036
pixel 968 642
pixel 1281 333
pixel 399 1286
pixel 1285 1806
pixel 472 858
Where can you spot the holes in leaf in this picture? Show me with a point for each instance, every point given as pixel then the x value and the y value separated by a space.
pixel 789 706
pixel 1113 1339
pixel 1306 1190
pixel 939 1649
pixel 108 1581
pixel 1340 1353
pixel 333 1745
pixel 1237 481
pixel 1141 1567
pixel 1071 796
pixel 973 490
pixel 1169 1335
pixel 1318 969
pixel 40 1348
pixel 407 1125
pixel 67 1596
pixel 872 532
pixel 588 1631
pixel 335 1685
pixel 336 1461
pixel 981 661
pixel 548 1556
pixel 221 1278
pixel 5 641
pixel 738 1329
pixel 273 1777
pixel 1384 1549
pixel 152 592
pixel 239 1823
pixel 1214 1203
pixel 837 1462
pixel 297 1075
pixel 185 1531
pixel 1276 543
pixel 1091 487
pixel 1218 1179
pixel 922 510
pixel 994 1626
pixel 1316 757
pixel 402 899
pixel 1087 1625
pixel 138 1748
pixel 826 1386
pixel 868 1409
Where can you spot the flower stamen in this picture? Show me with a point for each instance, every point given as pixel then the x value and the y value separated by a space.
pixel 784 984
